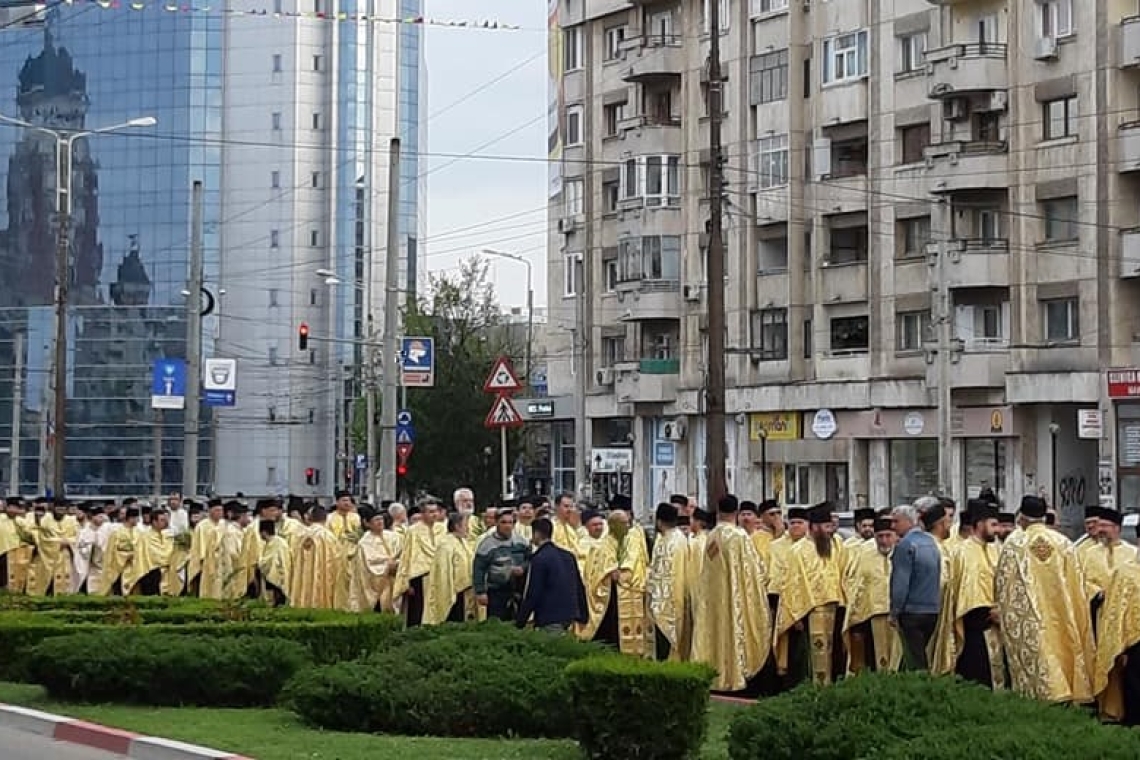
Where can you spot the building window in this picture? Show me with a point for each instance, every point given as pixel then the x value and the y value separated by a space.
pixel 1056 17
pixel 317 63
pixel 662 180
pixel 849 335
pixel 912 53
pixel 313 298
pixel 772 161
pixel 613 350
pixel 570 264
pixel 848 245
pixel 807 339
pixel 612 115
pixel 912 326
pixel 316 121
pixel 609 197
pixel 275 121
pixel 275 179
pixel 277 67
pixel 763 7
pixel 615 35
pixel 724 11
pixel 914 139
pixel 610 273
pixel 915 235
pixel 315 180
pixel 1060 118
pixel 574 116
pixel 273 297
pixel 272 356
pixel 769 77
pixel 845 57
pixel 770 334
pixel 572 48
pixel 651 257
pixel 1062 320
pixel 1060 215
pixel 274 238
pixel 630 187
pixel 314 238
pixel 573 192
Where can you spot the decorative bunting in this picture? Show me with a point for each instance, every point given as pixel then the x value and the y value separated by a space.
pixel 172 7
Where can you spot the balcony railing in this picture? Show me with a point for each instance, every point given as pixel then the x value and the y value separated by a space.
pixel 659 366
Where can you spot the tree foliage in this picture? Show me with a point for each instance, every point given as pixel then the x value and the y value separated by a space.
pixel 453 448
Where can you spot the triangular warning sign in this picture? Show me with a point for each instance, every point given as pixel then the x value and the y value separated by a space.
pixel 502 378
pixel 503 414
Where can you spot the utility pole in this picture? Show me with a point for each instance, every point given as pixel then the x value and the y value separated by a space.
pixel 714 393
pixel 370 471
pixel 158 421
pixel 193 348
pixel 388 364
pixel 62 285
pixel 17 415
pixel 946 349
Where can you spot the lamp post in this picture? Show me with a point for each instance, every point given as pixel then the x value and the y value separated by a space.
pixel 763 462
pixel 64 142
pixel 529 302
pixel 1054 429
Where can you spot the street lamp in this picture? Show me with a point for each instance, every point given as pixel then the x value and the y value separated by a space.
pixel 1054 429
pixel 763 462
pixel 64 142
pixel 529 302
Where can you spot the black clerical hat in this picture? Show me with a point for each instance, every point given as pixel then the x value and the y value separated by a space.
pixel 267 526
pixel 819 515
pixel 1007 518
pixel 667 512
pixel 133 512
pixel 1033 507
pixel 704 516
pixel 931 516
pixel 728 505
pixel 883 524
pixel 1112 516
pixel 797 513
pixel 622 502
pixel 1092 512
pixel 590 514
pixel 864 514
pixel 981 512
pixel 748 506
pixel 769 505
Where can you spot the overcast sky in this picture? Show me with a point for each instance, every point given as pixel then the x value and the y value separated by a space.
pixel 495 203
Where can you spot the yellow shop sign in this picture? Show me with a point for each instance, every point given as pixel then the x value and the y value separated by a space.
pixel 779 426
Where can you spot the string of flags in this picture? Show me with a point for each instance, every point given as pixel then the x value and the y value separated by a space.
pixel 168 6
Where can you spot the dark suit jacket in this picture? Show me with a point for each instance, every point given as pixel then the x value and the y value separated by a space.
pixel 554 591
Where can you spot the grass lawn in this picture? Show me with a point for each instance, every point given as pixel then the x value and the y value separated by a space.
pixel 277 735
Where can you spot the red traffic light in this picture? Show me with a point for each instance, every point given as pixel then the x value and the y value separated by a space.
pixel 401 470
pixel 303 337
pixel 310 476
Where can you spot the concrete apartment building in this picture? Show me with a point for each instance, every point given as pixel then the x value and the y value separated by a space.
pixel 931 248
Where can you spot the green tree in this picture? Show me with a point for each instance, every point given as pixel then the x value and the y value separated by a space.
pixel 452 447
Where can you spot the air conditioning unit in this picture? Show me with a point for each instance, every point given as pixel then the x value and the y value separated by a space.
pixel 566 225
pixel 955 109
pixel 1046 49
pixel 674 430
pixel 693 293
pixel 604 376
pixel 999 100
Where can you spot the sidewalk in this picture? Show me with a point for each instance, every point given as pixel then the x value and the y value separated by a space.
pixel 134 746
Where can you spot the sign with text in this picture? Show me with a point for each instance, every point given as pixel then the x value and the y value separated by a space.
pixel 417 362
pixel 775 426
pixel 1123 383
pixel 168 384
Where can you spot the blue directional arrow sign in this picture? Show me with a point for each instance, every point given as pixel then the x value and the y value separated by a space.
pixel 405 432
pixel 404 436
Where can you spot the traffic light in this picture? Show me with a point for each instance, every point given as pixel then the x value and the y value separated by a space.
pixel 311 476
pixel 303 337
pixel 401 470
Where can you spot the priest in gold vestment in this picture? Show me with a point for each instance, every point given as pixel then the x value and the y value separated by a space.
pixel 615 579
pixel 566 533
pixel 1043 612
pixel 118 561
pixel 11 532
pixel 416 562
pixel 1116 676
pixel 864 519
pixel 732 632
pixel 449 595
pixel 1100 557
pixel 872 643
pixel 151 561
pixel 211 552
pixel 667 580
pixel 54 537
pixel 377 556
pixel 274 565
pixel 974 616
pixel 811 594
pixel 317 564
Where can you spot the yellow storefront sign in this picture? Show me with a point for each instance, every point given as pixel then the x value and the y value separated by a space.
pixel 780 426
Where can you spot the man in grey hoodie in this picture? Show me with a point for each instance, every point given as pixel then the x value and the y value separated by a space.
pixel 500 565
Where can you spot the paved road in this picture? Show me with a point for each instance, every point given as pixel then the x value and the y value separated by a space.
pixel 20 745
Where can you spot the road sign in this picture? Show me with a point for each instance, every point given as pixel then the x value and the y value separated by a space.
pixel 219 382
pixel 503 414
pixel 168 384
pixel 405 437
pixel 611 460
pixel 417 362
pixel 219 398
pixel 403 451
pixel 502 378
pixel 404 418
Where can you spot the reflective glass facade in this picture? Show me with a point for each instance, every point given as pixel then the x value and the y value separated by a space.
pixel 411 56
pixel 89 68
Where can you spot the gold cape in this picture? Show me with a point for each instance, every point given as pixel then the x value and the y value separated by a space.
pixel 119 560
pixel 376 558
pixel 732 627
pixel 450 576
pixel 667 586
pixel 630 558
pixel 1117 632
pixel 1044 615
pixel 212 554
pixel 417 556
pixel 275 565
pixel 867 589
pixel 317 569
pixel 809 581
pixel 52 560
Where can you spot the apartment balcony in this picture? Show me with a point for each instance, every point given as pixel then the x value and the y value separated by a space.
pixel 841 194
pixel 967 165
pixel 973 262
pixel 657 57
pixel 983 368
pixel 1128 147
pixel 966 68
pixel 649 381
pixel 1130 254
pixel 654 134
pixel 1129 42
pixel 843 283
pixel 641 300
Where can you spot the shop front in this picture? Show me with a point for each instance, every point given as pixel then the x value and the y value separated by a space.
pixel 986 439
pixel 793 466
pixel 1124 393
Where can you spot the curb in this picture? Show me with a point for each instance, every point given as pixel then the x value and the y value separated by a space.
pixel 82 733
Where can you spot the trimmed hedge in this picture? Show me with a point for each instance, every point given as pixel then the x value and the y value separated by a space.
pixel 474 680
pixel 134 667
pixel 327 635
pixel 1034 742
pixel 862 717
pixel 625 707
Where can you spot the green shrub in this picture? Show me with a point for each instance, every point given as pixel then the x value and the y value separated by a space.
pixel 329 636
pixel 1034 742
pixel 630 708
pixel 860 717
pixel 131 666
pixel 463 681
